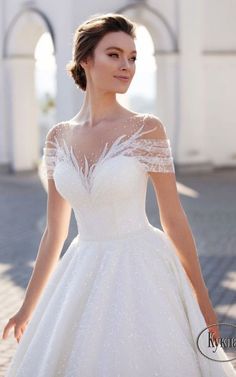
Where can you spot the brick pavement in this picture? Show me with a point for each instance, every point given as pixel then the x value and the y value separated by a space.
pixel 208 200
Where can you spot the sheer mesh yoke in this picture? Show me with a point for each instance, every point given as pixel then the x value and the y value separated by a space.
pixel 155 155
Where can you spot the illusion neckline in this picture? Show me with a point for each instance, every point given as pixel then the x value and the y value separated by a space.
pixel 87 171
pixel 68 122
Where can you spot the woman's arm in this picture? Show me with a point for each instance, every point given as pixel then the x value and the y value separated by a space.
pixel 172 216
pixel 55 234
pixel 175 224
pixel 51 244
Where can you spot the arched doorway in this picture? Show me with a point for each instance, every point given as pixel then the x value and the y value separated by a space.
pixel 23 135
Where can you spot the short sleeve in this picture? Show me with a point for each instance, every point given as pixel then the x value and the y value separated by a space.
pixel 154 150
pixel 50 152
pixel 155 155
pixel 49 159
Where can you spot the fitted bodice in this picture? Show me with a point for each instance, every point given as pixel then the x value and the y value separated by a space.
pixel 116 202
pixel 108 196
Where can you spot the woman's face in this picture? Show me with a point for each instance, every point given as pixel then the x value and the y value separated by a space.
pixel 114 56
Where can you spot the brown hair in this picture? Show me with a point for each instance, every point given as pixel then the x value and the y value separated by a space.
pixel 88 35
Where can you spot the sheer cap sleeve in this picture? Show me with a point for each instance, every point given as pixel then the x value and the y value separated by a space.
pixel 154 151
pixel 49 157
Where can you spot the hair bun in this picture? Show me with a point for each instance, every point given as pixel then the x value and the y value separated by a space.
pixel 77 72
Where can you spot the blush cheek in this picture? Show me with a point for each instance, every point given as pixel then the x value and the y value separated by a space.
pixel 104 70
pixel 103 64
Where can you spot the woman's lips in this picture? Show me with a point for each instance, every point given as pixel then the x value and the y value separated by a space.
pixel 122 78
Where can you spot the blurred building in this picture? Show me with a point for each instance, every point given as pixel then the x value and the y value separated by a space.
pixel 195 55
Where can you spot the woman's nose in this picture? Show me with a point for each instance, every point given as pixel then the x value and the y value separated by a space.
pixel 125 63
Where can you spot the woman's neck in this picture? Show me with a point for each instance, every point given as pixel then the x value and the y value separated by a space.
pixel 97 108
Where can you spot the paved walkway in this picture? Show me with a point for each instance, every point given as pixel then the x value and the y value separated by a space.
pixel 208 200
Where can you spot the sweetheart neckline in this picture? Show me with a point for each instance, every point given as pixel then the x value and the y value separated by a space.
pixel 88 181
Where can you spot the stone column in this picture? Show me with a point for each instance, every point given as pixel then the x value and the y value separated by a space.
pixel 21 113
pixel 192 138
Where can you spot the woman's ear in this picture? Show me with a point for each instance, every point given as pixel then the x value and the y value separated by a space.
pixel 84 63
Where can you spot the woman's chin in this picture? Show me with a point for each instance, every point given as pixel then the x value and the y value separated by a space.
pixel 120 90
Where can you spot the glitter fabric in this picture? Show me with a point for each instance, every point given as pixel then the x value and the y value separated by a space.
pixel 119 303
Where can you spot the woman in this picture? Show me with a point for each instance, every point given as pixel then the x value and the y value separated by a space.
pixel 126 299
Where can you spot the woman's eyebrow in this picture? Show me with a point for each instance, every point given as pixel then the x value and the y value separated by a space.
pixel 118 48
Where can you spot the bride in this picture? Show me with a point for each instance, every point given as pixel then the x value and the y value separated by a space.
pixel 125 292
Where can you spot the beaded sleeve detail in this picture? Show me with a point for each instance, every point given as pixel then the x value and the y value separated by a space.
pixel 49 160
pixel 155 155
pixel 50 152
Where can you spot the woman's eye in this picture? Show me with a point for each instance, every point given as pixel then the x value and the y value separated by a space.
pixel 113 54
pixel 134 58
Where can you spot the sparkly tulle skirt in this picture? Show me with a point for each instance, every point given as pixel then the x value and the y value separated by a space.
pixel 118 307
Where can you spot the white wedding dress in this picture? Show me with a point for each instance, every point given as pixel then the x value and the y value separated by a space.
pixel 119 303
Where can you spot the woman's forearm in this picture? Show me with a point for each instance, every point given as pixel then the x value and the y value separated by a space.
pixel 180 234
pixel 47 258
